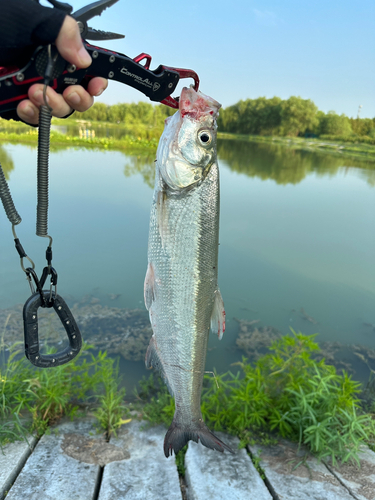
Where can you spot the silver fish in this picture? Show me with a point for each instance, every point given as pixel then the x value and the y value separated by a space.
pixel 181 289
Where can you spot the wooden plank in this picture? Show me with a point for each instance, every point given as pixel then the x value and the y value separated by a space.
pixel 310 480
pixel 359 480
pixel 12 458
pixel 52 472
pixel 145 473
pixel 211 475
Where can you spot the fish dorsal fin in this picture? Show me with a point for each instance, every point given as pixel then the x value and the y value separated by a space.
pixel 153 361
pixel 218 316
pixel 149 286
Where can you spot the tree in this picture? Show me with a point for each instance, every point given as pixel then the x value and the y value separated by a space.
pixel 298 116
pixel 334 124
pixel 97 112
pixel 362 126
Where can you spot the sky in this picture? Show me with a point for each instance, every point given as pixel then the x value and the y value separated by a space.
pixel 322 50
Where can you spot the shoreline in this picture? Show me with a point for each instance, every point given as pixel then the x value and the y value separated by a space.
pixel 21 133
pixel 355 150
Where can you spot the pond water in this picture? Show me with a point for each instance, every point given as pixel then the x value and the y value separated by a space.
pixel 297 240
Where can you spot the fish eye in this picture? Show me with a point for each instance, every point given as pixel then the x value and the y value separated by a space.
pixel 205 137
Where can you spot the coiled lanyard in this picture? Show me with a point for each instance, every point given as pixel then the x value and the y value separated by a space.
pixel 40 297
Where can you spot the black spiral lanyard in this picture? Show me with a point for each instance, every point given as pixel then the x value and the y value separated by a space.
pixel 40 297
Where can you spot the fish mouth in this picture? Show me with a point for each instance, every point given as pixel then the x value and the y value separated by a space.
pixel 196 104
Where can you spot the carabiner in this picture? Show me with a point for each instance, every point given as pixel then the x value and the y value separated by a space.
pixel 30 273
pixel 31 334
pixel 48 270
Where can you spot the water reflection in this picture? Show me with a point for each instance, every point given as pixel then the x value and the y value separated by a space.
pixel 282 164
pixel 6 162
pixel 286 165
pixel 141 164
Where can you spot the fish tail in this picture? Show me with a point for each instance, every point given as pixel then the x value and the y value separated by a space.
pixel 178 436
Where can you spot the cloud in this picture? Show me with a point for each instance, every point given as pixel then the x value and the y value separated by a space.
pixel 265 17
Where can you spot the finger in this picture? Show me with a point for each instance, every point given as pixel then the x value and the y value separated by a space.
pixel 69 44
pixel 77 97
pixel 28 112
pixel 60 107
pixel 97 86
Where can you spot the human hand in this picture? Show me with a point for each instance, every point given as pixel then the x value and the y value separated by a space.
pixel 69 44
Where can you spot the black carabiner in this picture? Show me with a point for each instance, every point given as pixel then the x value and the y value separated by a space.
pixel 30 323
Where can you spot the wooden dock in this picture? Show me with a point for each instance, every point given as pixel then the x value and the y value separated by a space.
pixel 73 462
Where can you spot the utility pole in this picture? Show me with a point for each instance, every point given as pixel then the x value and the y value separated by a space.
pixel 359 110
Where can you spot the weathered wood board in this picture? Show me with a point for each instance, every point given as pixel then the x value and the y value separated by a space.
pixel 211 475
pixel 144 473
pixel 311 480
pixel 66 464
pixel 12 458
pixel 51 474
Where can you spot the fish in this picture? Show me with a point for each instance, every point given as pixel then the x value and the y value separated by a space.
pixel 181 285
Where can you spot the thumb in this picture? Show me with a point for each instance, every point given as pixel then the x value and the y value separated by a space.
pixel 69 44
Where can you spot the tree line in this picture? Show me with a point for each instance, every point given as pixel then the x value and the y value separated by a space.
pixel 290 117
pixel 128 113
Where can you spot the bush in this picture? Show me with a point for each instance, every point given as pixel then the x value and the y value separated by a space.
pixel 291 393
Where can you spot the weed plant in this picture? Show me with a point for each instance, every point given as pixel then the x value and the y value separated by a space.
pixel 157 405
pixel 287 392
pixel 32 398
pixel 111 409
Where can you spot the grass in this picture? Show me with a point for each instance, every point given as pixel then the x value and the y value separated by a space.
pixel 285 393
pixel 135 139
pixel 42 396
pixel 128 143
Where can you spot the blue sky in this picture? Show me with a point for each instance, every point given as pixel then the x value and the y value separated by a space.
pixel 322 50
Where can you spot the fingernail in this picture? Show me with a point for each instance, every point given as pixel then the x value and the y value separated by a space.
pixel 74 98
pixel 38 96
pixel 99 93
pixel 29 111
pixel 84 57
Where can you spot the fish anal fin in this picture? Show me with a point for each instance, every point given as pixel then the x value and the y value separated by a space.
pixel 149 286
pixel 153 361
pixel 218 316
pixel 178 436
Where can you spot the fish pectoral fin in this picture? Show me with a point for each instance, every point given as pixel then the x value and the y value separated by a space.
pixel 153 361
pixel 149 286
pixel 218 316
